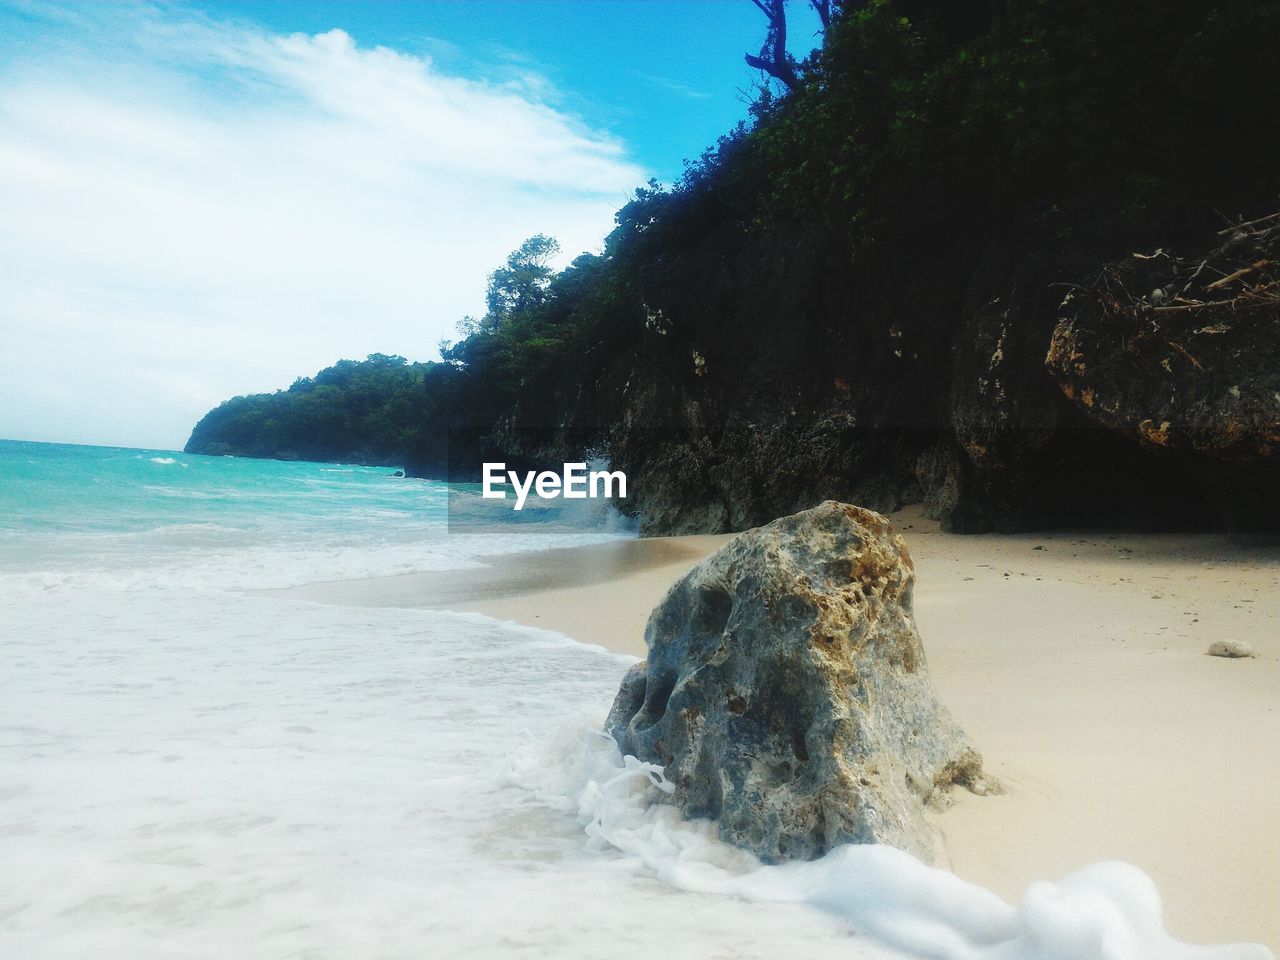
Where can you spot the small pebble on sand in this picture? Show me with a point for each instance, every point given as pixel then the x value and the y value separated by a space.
pixel 1234 649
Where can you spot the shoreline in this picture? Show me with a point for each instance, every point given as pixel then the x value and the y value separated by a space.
pixel 1076 663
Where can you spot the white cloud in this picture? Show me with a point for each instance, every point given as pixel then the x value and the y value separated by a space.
pixel 191 209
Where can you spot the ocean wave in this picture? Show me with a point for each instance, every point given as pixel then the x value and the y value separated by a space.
pixel 273 778
pixel 212 558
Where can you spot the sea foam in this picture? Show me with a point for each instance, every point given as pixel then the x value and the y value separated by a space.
pixel 208 776
pixel 1104 911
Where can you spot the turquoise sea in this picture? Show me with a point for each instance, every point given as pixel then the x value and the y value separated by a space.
pixel 255 522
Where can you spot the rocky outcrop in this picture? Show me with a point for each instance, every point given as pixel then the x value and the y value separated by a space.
pixel 1181 355
pixel 894 380
pixel 786 692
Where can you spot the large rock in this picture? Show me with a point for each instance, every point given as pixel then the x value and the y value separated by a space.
pixel 786 692
pixel 1181 356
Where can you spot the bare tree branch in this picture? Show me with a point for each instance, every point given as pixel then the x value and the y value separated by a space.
pixel 773 58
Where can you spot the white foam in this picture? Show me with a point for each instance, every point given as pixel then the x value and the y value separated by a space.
pixel 1105 911
pixel 209 557
pixel 212 776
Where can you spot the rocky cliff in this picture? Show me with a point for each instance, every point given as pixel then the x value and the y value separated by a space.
pixel 855 299
pixel 928 382
pixel 854 296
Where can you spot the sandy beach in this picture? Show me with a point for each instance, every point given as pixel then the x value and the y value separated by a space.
pixel 1076 662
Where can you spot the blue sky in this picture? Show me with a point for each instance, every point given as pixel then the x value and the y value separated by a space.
pixel 664 76
pixel 204 200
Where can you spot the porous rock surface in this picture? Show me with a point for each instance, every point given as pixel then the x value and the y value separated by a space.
pixel 786 692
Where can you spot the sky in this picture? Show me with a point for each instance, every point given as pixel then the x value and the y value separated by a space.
pixel 200 200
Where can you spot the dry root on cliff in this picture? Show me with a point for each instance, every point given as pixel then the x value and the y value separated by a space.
pixel 1181 353
pixel 1233 278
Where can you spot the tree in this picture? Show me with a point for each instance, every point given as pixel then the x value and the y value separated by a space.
pixel 515 290
pixel 773 58
pixel 521 285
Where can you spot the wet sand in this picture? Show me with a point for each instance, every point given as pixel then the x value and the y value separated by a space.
pixel 633 573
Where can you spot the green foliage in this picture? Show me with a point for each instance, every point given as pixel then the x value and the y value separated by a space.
pixel 365 411
pixel 1013 100
pixel 521 286
pixel 515 289
pixel 915 118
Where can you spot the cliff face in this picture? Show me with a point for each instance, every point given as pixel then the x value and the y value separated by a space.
pixel 925 380
pixel 753 387
pixel 854 299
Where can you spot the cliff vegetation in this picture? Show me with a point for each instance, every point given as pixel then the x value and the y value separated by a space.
pixel 853 295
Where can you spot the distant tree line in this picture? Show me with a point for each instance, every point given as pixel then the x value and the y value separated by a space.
pixel 362 411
